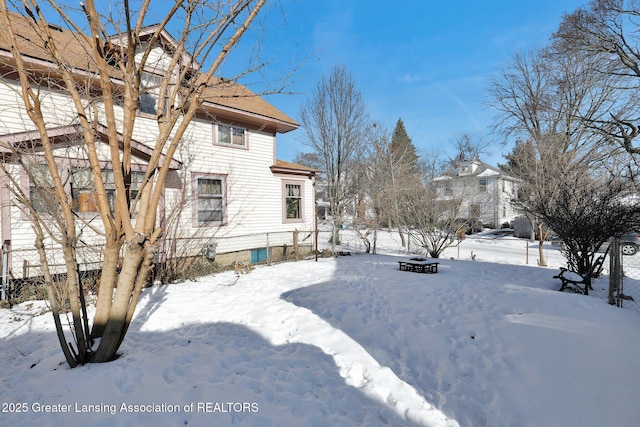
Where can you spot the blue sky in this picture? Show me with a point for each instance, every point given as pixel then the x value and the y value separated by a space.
pixel 427 62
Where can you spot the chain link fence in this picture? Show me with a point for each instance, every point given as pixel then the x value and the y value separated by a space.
pixel 621 286
pixel 182 258
pixel 188 258
pixel 177 259
pixel 497 246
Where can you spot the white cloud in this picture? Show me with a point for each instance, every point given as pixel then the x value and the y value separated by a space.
pixel 410 78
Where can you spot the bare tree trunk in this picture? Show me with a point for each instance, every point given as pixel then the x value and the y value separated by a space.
pixel 53 300
pixel 542 236
pixel 105 290
pixel 116 325
pixel 150 251
pixel 402 239
pixel 73 287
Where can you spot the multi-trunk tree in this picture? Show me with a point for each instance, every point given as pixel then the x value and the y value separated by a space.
pixel 109 83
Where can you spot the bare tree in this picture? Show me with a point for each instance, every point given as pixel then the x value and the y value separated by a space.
pixel 108 83
pixel 372 182
pixel 336 123
pixel 468 149
pixel 607 32
pixel 542 100
pixel 436 206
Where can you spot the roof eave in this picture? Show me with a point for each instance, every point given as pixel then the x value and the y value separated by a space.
pixel 280 125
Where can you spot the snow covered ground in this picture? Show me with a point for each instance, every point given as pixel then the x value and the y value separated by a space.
pixel 347 341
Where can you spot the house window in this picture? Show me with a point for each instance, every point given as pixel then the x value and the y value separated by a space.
pixel 149 93
pixel 474 211
pixel 448 190
pixel 41 189
pixel 292 201
pixel 259 255
pixel 83 189
pixel 230 135
pixel 482 184
pixel 209 194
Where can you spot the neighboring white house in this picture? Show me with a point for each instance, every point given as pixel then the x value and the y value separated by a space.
pixel 483 191
pixel 225 188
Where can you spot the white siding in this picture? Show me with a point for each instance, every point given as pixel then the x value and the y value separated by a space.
pixel 254 195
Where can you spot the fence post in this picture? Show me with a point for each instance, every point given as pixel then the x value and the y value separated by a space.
pixel 268 251
pixel 614 270
pixel 5 268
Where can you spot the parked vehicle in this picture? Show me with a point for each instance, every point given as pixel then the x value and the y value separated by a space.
pixel 629 243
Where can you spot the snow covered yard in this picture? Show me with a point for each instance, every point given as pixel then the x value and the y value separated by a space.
pixel 349 341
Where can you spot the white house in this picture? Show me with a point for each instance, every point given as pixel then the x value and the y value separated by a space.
pixel 483 192
pixel 226 189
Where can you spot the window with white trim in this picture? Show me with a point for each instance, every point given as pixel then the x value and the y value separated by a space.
pixel 210 199
pixel 230 135
pixel 448 188
pixel 293 201
pixel 149 93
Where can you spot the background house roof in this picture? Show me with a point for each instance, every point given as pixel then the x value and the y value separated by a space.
pixel 479 169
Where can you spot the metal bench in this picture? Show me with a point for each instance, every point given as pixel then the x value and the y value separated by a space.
pixel 579 284
pixel 419 265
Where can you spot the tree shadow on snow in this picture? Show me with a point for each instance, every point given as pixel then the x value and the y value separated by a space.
pixel 227 372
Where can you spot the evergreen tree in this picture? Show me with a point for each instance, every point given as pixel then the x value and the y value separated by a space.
pixel 402 149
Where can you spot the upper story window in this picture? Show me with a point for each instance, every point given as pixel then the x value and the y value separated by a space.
pixel 230 135
pixel 482 184
pixel 149 93
pixel 448 188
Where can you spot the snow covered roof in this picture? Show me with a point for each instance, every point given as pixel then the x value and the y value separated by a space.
pixel 474 168
pixel 489 172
